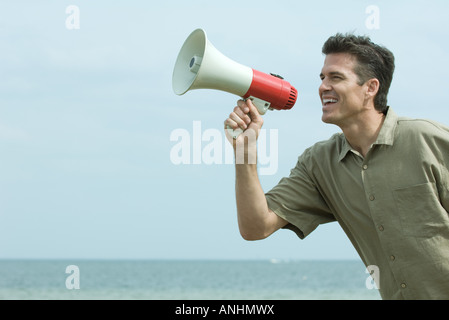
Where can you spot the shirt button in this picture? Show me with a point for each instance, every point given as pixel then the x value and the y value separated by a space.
pixel 392 258
pixel 365 166
pixel 371 197
pixel 403 285
pixel 381 228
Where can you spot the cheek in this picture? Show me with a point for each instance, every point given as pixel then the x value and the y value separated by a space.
pixel 354 96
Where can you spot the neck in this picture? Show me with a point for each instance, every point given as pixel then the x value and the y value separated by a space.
pixel 363 133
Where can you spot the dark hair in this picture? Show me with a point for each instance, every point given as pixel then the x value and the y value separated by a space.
pixel 373 61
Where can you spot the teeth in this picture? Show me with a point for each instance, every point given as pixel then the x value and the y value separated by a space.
pixel 329 101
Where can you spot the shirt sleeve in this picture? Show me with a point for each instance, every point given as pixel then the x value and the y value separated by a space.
pixel 444 190
pixel 442 145
pixel 297 200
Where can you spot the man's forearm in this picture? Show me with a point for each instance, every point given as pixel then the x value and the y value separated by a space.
pixel 252 209
pixel 255 219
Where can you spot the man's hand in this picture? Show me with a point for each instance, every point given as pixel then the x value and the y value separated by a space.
pixel 246 117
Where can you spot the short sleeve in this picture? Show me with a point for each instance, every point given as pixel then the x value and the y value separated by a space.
pixel 444 188
pixel 297 200
pixel 442 142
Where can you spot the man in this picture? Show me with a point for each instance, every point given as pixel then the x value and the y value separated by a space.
pixel 384 178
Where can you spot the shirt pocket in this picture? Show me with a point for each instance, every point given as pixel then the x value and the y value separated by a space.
pixel 420 211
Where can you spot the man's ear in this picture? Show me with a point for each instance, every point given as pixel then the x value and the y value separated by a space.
pixel 372 87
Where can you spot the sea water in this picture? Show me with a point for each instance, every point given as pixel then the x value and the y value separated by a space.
pixel 184 280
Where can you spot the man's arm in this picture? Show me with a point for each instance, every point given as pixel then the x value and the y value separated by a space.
pixel 256 221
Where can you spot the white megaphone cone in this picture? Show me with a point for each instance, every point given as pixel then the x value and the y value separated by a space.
pixel 201 66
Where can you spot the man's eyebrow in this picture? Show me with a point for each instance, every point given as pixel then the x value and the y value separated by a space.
pixel 333 73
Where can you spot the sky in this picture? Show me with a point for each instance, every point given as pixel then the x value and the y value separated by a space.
pixel 92 164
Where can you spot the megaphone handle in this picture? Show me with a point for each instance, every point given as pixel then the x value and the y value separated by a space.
pixel 234 133
pixel 261 105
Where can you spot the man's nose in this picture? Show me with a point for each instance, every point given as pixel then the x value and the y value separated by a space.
pixel 324 86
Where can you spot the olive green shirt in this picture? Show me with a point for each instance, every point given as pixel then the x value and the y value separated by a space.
pixel 393 204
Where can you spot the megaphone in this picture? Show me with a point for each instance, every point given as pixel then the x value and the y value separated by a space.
pixel 201 66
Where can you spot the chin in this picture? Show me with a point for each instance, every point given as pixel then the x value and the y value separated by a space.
pixel 326 119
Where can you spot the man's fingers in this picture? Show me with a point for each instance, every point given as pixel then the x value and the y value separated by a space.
pixel 253 112
pixel 230 123
pixel 239 118
pixel 244 115
pixel 242 104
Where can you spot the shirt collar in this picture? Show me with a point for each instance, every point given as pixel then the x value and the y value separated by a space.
pixel 386 134
pixel 345 148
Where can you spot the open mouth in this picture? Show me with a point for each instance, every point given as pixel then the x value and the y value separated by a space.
pixel 329 101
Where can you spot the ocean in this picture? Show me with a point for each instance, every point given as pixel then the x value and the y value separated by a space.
pixel 184 280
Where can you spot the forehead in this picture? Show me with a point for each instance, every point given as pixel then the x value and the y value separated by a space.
pixel 339 62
